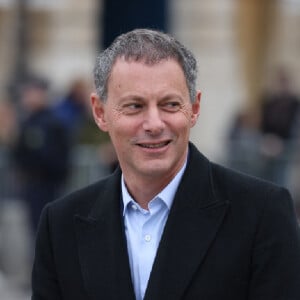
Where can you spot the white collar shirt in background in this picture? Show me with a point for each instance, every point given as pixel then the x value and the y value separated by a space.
pixel 143 229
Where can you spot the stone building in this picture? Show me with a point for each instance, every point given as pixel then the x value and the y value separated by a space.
pixel 237 43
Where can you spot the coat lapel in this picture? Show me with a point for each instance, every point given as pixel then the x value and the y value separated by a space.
pixel 102 247
pixel 193 222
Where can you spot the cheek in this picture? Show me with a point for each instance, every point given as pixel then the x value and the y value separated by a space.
pixel 114 122
pixel 115 116
pixel 180 127
pixel 187 115
pixel 121 127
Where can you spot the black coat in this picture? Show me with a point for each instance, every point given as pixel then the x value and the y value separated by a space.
pixel 42 150
pixel 228 236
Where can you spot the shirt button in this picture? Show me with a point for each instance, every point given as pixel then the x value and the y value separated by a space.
pixel 134 207
pixel 147 237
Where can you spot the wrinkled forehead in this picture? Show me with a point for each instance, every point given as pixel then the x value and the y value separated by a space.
pixel 141 61
pixel 132 77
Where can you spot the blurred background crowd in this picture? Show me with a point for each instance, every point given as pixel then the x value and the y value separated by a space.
pixel 249 74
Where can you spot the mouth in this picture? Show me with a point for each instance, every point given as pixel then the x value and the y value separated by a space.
pixel 154 145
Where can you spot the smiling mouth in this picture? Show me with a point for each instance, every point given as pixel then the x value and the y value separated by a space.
pixel 154 146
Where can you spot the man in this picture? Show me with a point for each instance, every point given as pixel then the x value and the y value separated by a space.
pixel 41 151
pixel 168 224
pixel 279 128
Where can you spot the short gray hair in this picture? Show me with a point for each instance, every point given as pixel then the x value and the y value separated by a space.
pixel 149 47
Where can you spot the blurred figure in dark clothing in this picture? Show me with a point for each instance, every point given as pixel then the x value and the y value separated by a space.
pixel 41 151
pixel 280 109
pixel 244 139
pixel 279 118
pixel 72 108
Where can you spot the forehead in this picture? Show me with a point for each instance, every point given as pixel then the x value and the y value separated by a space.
pixel 137 78
pixel 138 71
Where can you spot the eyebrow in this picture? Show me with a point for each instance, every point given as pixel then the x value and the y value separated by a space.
pixel 136 97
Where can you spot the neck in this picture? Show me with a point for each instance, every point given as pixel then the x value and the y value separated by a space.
pixel 143 190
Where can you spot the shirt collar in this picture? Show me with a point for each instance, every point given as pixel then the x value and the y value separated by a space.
pixel 166 195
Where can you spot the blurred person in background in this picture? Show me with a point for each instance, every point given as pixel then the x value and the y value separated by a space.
pixel 244 144
pixel 280 112
pixel 41 150
pixel 72 109
pixel 74 112
pixel 168 223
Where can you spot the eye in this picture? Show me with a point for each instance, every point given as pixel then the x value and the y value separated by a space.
pixel 171 106
pixel 132 108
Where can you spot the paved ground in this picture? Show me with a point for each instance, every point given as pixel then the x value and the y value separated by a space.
pixel 15 251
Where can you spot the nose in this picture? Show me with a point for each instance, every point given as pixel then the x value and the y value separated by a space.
pixel 153 122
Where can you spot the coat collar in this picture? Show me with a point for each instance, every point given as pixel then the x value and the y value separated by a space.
pixel 192 224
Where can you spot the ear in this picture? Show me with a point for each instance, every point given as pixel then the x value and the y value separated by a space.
pixel 196 109
pixel 98 108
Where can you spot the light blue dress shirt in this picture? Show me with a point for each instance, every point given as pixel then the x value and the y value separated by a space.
pixel 143 230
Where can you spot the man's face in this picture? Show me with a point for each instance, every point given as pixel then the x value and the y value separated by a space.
pixel 148 115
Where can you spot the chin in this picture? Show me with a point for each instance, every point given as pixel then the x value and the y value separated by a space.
pixel 154 171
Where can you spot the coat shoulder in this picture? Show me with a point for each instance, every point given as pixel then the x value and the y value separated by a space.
pixel 240 180
pixel 246 189
pixel 82 200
